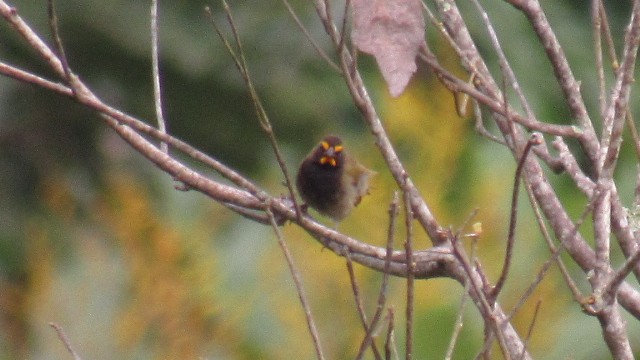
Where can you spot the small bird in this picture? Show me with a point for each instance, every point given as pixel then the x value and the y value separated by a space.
pixel 331 181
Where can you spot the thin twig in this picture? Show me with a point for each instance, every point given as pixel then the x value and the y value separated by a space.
pixel 568 83
pixel 613 122
pixel 457 329
pixel 483 303
pixel 155 65
pixel 530 330
pixel 457 85
pixel 438 24
pixel 535 139
pixel 634 132
pixel 65 340
pixel 88 99
pixel 508 73
pixel 258 216
pixel 614 282
pixel 625 238
pixel 306 33
pixel 343 28
pixel 390 342
pixel 12 17
pixel 410 277
pixel 297 279
pixel 356 295
pixel 554 163
pixel 596 24
pixel 571 167
pixel 602 231
pixel 332 30
pixel 606 29
pixel 479 125
pixel 55 31
pixel 461 100
pixel 636 199
pixel 241 63
pixel 382 296
pixel 29 78
pixel 553 258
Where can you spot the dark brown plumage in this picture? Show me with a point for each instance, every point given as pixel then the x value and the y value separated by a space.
pixel 331 181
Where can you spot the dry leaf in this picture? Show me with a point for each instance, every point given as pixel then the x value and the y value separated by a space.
pixel 392 31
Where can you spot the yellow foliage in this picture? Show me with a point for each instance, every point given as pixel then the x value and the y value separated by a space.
pixel 168 309
pixel 429 134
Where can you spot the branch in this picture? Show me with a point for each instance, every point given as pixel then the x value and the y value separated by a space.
pixel 65 340
pixel 55 31
pixel 306 33
pixel 356 295
pixel 240 61
pixel 535 139
pixel 155 65
pixel 382 297
pixel 569 85
pixel 410 279
pixel 297 279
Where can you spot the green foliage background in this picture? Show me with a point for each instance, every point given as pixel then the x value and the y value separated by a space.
pixel 95 239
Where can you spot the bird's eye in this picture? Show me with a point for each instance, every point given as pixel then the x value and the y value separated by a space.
pixel 338 148
pixel 325 145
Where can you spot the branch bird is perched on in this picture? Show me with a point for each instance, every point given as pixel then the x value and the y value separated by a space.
pixel 331 181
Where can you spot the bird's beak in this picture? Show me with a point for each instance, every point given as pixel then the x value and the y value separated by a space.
pixel 331 152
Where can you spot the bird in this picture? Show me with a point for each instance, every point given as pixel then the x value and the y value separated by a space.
pixel 331 181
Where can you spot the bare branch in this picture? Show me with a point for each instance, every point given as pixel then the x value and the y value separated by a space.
pixel 382 297
pixel 55 31
pixel 306 33
pixel 490 311
pixel 390 342
pixel 555 257
pixel 297 279
pixel 495 104
pixel 10 14
pixel 356 295
pixel 480 128
pixel 504 63
pixel 618 106
pixel 155 65
pixel 241 63
pixel 65 340
pixel 535 139
pixel 463 302
pixel 364 103
pixel 614 282
pixel 410 279
pixel 601 228
pixel 570 86
pixel 571 167
pixel 596 19
pixel 530 331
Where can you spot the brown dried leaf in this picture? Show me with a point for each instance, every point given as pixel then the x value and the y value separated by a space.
pixel 392 31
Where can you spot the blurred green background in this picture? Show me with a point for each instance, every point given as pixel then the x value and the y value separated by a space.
pixel 95 239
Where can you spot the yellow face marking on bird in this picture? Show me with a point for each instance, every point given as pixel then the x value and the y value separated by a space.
pixel 328 160
pixel 330 153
